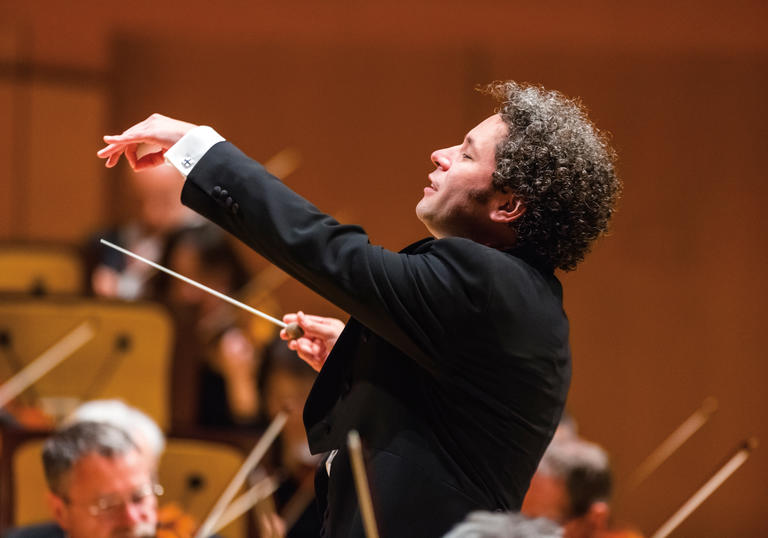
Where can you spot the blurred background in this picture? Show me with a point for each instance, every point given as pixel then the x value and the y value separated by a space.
pixel 349 98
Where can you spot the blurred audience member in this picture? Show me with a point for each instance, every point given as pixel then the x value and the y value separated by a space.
pixel 142 429
pixel 572 487
pixel 504 525
pixel 100 485
pixel 155 199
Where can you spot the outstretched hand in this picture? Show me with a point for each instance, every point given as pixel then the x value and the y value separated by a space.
pixel 320 334
pixel 157 131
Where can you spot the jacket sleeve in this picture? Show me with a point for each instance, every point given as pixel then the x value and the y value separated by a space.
pixel 418 301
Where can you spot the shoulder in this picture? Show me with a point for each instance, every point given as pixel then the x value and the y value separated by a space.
pixel 43 530
pixel 485 277
pixel 481 258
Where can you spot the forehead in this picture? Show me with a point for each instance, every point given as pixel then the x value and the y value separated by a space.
pixel 488 132
pixel 95 475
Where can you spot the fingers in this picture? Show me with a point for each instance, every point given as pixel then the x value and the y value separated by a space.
pixel 112 160
pixel 156 130
pixel 109 150
pixel 111 153
pixel 130 154
pixel 125 138
pixel 308 348
pixel 315 326
pixel 150 160
pixel 311 351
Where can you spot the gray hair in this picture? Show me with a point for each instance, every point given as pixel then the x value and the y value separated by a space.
pixel 136 423
pixel 504 525
pixel 66 447
pixel 585 469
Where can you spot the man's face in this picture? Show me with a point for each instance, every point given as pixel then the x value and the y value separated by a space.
pixel 108 498
pixel 458 201
pixel 547 497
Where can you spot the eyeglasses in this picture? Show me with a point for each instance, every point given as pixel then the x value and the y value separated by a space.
pixel 112 505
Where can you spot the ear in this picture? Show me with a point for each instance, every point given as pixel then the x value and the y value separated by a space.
pixel 506 208
pixel 598 515
pixel 59 510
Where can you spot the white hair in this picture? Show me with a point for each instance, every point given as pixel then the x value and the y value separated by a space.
pixel 504 525
pixel 138 425
pixel 562 456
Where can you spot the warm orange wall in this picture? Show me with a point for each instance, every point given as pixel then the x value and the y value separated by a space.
pixel 666 311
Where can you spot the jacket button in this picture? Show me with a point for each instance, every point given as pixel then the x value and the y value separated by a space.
pixel 216 191
pixel 235 208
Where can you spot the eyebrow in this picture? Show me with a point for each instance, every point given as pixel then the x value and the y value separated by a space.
pixel 469 141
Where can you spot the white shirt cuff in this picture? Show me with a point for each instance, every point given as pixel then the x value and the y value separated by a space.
pixel 188 151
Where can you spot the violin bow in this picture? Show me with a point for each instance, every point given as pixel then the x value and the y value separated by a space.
pixel 246 501
pixel 709 487
pixel 237 481
pixel 673 442
pixel 361 484
pixel 47 361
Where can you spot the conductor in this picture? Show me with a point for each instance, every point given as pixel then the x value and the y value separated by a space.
pixel 455 364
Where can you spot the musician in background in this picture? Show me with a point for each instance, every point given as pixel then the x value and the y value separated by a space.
pixel 100 483
pixel 572 487
pixel 142 429
pixel 504 525
pixel 216 357
pixel 285 384
pixel 156 213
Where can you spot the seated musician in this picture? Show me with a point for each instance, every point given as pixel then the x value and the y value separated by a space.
pixel 572 487
pixel 141 427
pixel 482 524
pixel 100 485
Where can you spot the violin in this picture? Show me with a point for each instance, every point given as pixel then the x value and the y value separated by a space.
pixel 173 522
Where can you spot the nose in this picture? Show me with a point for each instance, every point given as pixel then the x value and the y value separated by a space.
pixel 137 512
pixel 132 513
pixel 441 159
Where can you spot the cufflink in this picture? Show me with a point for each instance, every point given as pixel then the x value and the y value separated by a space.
pixel 187 161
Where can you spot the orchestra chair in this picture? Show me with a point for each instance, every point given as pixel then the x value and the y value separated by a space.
pixel 128 357
pixel 40 268
pixel 193 474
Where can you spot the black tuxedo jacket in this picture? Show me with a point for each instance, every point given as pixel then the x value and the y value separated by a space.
pixel 43 530
pixel 454 367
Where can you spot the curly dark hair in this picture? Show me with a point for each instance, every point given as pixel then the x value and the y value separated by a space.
pixel 561 166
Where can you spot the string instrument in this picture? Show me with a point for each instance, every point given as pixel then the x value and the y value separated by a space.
pixel 11 391
pixel 618 533
pixel 173 522
pixel 30 416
